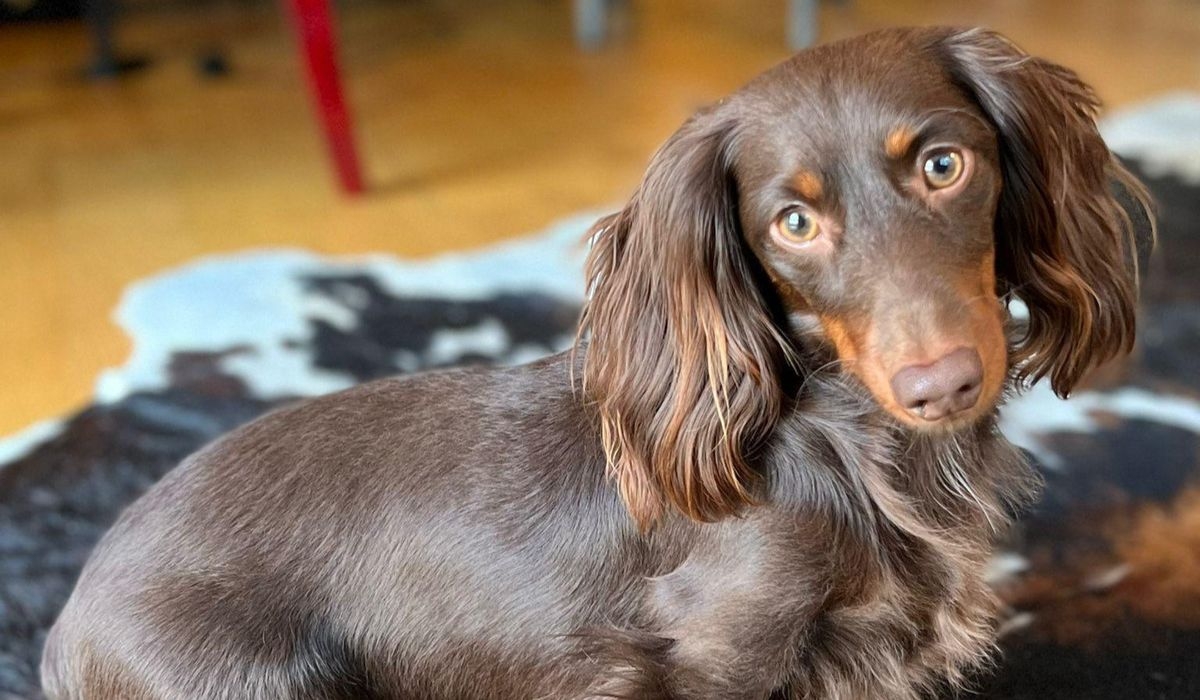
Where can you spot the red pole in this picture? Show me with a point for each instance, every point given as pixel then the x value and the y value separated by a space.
pixel 312 21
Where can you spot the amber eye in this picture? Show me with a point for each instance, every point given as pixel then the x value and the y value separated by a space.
pixel 797 225
pixel 943 169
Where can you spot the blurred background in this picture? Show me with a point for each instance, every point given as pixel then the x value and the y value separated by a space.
pixel 180 251
pixel 475 121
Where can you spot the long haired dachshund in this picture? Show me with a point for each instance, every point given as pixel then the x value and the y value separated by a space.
pixel 769 467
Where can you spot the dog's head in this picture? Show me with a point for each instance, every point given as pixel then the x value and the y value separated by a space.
pixel 878 200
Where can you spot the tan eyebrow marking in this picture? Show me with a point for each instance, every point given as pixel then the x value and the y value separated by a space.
pixel 898 141
pixel 808 184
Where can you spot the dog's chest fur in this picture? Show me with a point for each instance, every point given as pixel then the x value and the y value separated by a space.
pixel 898 624
pixel 899 601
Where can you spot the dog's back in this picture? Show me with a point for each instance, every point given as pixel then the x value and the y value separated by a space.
pixel 402 515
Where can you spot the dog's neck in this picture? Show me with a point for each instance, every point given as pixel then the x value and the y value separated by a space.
pixel 969 481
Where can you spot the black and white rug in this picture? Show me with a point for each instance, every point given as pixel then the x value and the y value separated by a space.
pixel 1103 577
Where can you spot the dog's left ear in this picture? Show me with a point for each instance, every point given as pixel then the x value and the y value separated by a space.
pixel 1064 244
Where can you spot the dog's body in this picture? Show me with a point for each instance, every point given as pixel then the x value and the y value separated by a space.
pixel 772 469
pixel 331 581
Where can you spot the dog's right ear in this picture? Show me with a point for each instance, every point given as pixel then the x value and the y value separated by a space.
pixel 1066 245
pixel 683 357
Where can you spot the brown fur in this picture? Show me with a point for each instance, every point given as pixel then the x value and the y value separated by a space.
pixel 715 495
pixel 1061 262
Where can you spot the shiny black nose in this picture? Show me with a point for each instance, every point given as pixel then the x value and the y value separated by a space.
pixel 941 388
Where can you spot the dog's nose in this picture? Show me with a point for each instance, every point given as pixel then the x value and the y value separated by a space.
pixel 941 388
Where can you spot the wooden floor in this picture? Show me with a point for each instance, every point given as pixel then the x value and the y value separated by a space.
pixel 479 121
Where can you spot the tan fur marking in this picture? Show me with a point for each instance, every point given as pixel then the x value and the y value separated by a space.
pixel 843 342
pixel 986 326
pixel 898 141
pixel 847 341
pixel 808 184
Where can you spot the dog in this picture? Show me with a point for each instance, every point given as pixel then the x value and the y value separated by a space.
pixel 770 466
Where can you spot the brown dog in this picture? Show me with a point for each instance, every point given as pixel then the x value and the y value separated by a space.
pixel 771 468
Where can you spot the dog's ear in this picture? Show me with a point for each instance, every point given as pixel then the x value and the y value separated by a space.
pixel 682 356
pixel 1064 244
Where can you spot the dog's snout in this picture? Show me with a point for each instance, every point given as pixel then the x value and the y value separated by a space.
pixel 941 388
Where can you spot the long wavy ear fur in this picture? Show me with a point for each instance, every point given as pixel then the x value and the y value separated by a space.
pixel 683 356
pixel 1064 244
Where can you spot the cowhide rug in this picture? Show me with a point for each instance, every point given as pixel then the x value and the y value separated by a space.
pixel 1103 577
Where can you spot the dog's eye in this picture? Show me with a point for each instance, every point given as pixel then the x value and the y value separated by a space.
pixel 943 169
pixel 797 225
